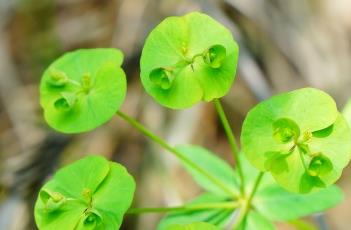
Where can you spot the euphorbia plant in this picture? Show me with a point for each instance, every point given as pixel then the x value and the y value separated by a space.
pixel 294 145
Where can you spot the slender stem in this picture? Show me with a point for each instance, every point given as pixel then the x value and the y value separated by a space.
pixel 232 142
pixel 255 187
pixel 175 152
pixel 218 205
pixel 303 161
pixel 247 206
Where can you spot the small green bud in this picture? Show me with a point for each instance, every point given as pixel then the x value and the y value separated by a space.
pixel 285 130
pixel 162 77
pixel 65 102
pixel 307 135
pixel 57 77
pixel 52 200
pixel 320 165
pixel 91 219
pixel 214 56
pixel 87 194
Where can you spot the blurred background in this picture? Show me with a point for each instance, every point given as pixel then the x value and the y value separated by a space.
pixel 284 45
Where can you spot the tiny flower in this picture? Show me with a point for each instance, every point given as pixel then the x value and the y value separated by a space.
pixel 300 138
pixel 91 193
pixel 83 89
pixel 188 59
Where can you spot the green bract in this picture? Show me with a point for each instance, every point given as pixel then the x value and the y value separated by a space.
pixel 188 59
pixel 91 193
pixel 83 89
pixel 300 137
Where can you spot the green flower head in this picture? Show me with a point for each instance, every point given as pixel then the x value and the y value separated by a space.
pixel 300 137
pixel 90 194
pixel 188 59
pixel 83 89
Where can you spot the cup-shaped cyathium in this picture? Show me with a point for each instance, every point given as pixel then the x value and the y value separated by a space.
pixel 300 138
pixel 89 194
pixel 83 89
pixel 188 59
pixel 162 77
pixel 52 200
pixel 214 56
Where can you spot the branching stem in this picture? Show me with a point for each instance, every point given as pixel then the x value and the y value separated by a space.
pixel 175 152
pixel 245 210
pixel 191 207
pixel 232 142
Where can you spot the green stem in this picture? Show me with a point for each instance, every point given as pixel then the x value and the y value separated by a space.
pixel 232 142
pixel 175 152
pixel 218 205
pixel 303 161
pixel 248 203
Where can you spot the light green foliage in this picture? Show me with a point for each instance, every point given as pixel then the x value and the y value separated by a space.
pixel 218 217
pixel 255 221
pixel 301 224
pixel 193 226
pixel 277 204
pixel 221 171
pixel 83 89
pixel 271 203
pixel 188 59
pixel 300 137
pixel 347 112
pixel 91 193
pixel 213 165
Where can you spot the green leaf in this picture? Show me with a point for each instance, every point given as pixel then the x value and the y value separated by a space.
pixel 255 221
pixel 83 89
pixel 222 172
pixel 218 217
pixel 91 193
pixel 199 68
pixel 215 166
pixel 193 226
pixel 283 135
pixel 277 204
